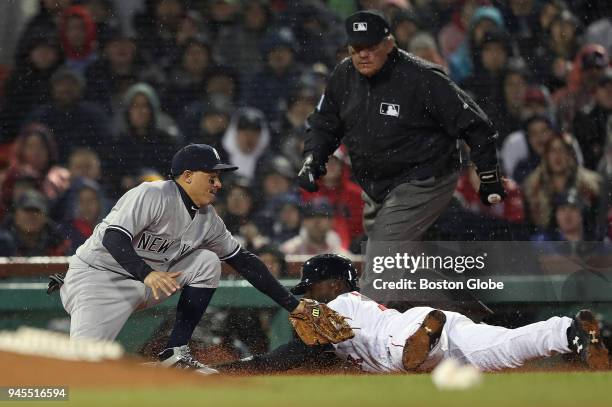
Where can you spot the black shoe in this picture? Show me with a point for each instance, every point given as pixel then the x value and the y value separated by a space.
pixel 418 346
pixel 584 338
pixel 181 358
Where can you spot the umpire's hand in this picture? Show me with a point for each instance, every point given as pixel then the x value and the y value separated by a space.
pixel 161 281
pixel 491 189
pixel 310 172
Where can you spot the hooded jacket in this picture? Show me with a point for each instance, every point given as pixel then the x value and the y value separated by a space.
pixel 246 162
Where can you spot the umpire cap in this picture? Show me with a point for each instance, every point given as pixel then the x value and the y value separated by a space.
pixel 366 28
pixel 198 157
pixel 326 267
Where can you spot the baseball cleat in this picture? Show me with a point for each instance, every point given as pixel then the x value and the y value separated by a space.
pixel 584 338
pixel 419 345
pixel 181 358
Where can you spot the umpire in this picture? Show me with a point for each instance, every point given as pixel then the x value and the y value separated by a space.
pixel 401 119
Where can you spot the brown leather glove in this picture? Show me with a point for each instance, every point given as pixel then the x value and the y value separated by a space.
pixel 317 324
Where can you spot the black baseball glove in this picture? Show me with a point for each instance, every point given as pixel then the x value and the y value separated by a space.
pixel 491 189
pixel 310 172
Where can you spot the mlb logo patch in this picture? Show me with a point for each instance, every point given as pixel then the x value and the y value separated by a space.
pixel 360 26
pixel 390 109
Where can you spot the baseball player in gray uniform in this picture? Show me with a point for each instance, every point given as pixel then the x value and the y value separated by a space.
pixel 159 238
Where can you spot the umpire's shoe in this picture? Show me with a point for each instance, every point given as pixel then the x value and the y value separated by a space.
pixel 181 358
pixel 419 345
pixel 584 338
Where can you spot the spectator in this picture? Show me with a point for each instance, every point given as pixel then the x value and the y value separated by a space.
pixel 239 46
pixel 35 157
pixel 486 82
pixel 557 173
pixel 583 80
pixel 301 103
pixel 509 117
pixel 271 86
pixel 287 221
pixel 453 33
pixel 88 211
pixel 44 23
pixel 239 205
pixel 187 82
pixel 104 15
pixel 552 57
pixel 277 178
pixel 85 163
pixel 604 216
pixel 32 232
pixel 143 131
pixel 77 32
pixel 343 194
pixel 309 21
pixel 222 82
pixel 74 122
pixel 28 84
pixel 592 124
pixel 521 152
pixel 424 46
pixel 569 220
pixel 600 32
pixel 110 76
pixel 207 121
pixel 274 259
pixel 461 62
pixel 404 26
pixel 316 235
pixel 246 140
pixel 537 102
pixel 157 28
pixel 521 18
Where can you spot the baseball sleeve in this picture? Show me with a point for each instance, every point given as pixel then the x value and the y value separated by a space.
pixel 137 209
pixel 461 117
pixel 219 240
pixel 324 127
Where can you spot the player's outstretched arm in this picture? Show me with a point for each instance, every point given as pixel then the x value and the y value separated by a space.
pixel 255 272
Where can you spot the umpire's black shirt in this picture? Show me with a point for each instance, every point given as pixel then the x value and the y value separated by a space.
pixel 399 125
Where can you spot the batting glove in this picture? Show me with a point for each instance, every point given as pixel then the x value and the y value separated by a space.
pixel 491 189
pixel 310 172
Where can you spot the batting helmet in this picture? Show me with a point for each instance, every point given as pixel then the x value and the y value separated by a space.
pixel 326 267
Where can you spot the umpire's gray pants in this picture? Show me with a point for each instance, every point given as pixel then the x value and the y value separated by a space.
pixel 403 217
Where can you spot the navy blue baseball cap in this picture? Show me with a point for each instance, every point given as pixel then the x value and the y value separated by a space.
pixel 198 157
pixel 366 28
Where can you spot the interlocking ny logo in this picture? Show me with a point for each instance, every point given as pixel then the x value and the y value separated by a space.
pixel 389 109
pixel 360 26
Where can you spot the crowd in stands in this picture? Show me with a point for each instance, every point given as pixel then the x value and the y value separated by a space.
pixel 90 110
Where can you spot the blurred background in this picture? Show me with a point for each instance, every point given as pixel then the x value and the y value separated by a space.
pixel 97 95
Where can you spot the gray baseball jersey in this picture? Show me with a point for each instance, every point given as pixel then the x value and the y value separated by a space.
pixel 154 217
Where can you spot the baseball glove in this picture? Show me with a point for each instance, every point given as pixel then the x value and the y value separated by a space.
pixel 317 324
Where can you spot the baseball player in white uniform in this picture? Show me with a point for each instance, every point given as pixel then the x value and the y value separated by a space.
pixel 389 341
pixel 159 238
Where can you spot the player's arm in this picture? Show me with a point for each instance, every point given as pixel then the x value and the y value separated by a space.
pixel 288 356
pixel 463 119
pixel 137 209
pixel 119 245
pixel 323 135
pixel 255 272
